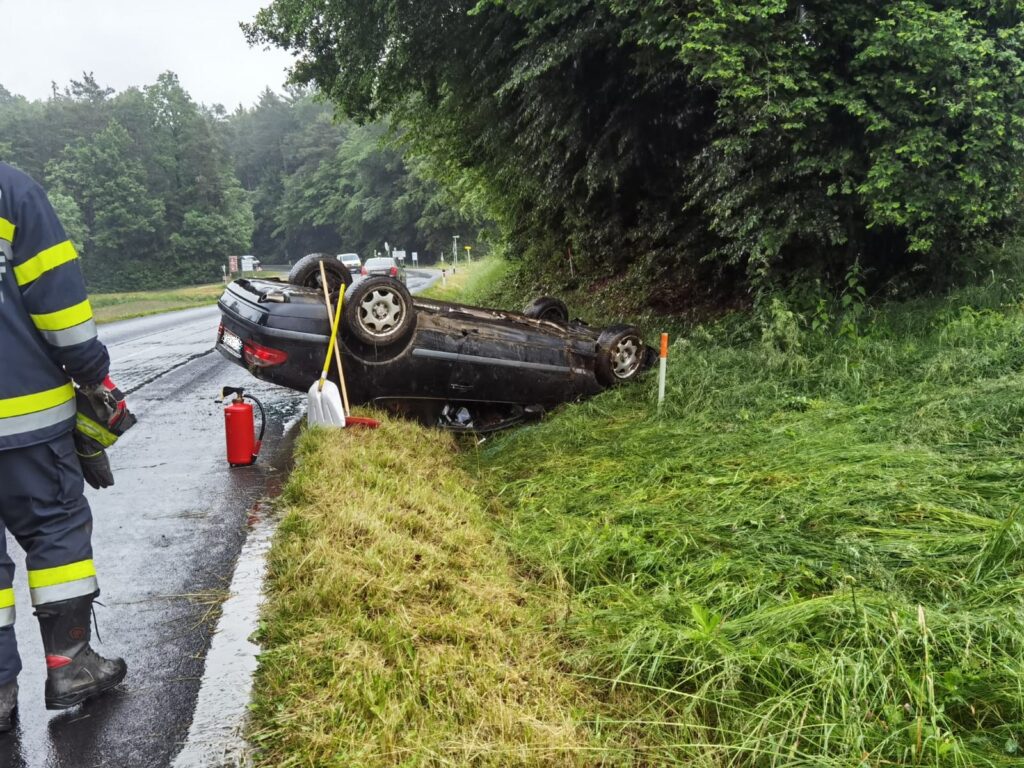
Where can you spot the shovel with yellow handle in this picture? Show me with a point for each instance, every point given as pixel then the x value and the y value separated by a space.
pixel 325 406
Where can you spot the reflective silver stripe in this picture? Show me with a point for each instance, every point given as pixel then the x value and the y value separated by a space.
pixel 6 249
pixel 65 591
pixel 6 616
pixel 51 417
pixel 77 334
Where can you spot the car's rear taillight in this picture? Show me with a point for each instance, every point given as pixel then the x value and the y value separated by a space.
pixel 394 272
pixel 362 270
pixel 263 357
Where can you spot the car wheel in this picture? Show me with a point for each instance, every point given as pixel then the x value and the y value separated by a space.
pixel 306 272
pixel 379 311
pixel 621 355
pixel 547 308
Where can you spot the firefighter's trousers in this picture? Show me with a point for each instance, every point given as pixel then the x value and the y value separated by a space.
pixel 43 506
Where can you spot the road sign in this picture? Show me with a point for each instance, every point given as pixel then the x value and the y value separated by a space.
pixel 415 257
pixel 232 263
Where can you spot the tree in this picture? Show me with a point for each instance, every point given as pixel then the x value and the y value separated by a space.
pixel 319 184
pixel 157 191
pixel 71 218
pixel 777 137
pixel 118 220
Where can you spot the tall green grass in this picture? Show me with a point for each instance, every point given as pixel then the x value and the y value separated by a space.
pixel 812 555
pixel 471 283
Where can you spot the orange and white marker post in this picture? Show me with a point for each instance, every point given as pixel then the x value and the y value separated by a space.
pixel 664 369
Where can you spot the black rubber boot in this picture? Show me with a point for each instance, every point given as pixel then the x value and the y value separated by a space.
pixel 75 672
pixel 8 703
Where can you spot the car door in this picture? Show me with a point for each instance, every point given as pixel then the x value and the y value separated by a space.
pixel 507 360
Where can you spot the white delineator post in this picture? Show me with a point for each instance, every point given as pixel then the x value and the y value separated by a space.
pixel 664 370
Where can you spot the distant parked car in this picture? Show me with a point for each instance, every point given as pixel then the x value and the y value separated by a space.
pixel 384 266
pixel 352 261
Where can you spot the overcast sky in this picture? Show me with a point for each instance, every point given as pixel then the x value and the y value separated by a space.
pixel 130 42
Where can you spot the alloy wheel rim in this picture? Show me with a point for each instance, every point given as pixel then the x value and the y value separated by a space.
pixel 380 312
pixel 626 357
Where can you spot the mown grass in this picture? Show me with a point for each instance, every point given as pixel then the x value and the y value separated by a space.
pixel 110 307
pixel 471 283
pixel 396 631
pixel 812 556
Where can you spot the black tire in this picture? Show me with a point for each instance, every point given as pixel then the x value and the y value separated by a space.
pixel 621 355
pixel 547 308
pixel 306 272
pixel 379 311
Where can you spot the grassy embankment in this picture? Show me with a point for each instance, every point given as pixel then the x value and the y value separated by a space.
pixel 397 631
pixel 110 307
pixel 811 556
pixel 471 283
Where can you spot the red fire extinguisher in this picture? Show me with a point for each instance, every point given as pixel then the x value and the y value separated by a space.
pixel 239 426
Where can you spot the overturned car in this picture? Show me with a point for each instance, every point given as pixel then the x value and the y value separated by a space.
pixel 449 365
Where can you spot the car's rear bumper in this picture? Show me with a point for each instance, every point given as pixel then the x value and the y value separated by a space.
pixel 305 351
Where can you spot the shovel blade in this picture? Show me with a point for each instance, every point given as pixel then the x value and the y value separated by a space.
pixel 325 408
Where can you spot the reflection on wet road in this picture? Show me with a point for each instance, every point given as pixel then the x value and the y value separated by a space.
pixel 166 538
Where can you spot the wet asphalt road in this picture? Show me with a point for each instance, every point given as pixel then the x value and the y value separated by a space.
pixel 166 539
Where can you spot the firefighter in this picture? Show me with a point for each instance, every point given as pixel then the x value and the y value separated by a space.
pixel 54 376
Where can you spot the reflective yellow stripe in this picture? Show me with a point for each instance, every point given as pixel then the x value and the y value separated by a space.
pixel 20 406
pixel 65 318
pixel 6 230
pixel 100 434
pixel 44 261
pixel 6 598
pixel 49 577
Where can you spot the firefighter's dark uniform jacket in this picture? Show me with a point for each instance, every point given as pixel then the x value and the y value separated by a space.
pixel 47 339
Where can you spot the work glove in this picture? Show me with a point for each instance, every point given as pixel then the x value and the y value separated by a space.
pixel 103 416
pixel 95 464
pixel 104 405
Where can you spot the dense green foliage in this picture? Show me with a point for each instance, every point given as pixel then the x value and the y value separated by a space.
pixel 144 185
pixel 322 185
pixel 698 139
pixel 157 191
pixel 813 555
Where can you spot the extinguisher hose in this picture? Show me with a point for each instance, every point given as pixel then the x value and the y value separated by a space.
pixel 263 417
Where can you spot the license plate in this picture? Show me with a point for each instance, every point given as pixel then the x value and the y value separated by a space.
pixel 232 342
